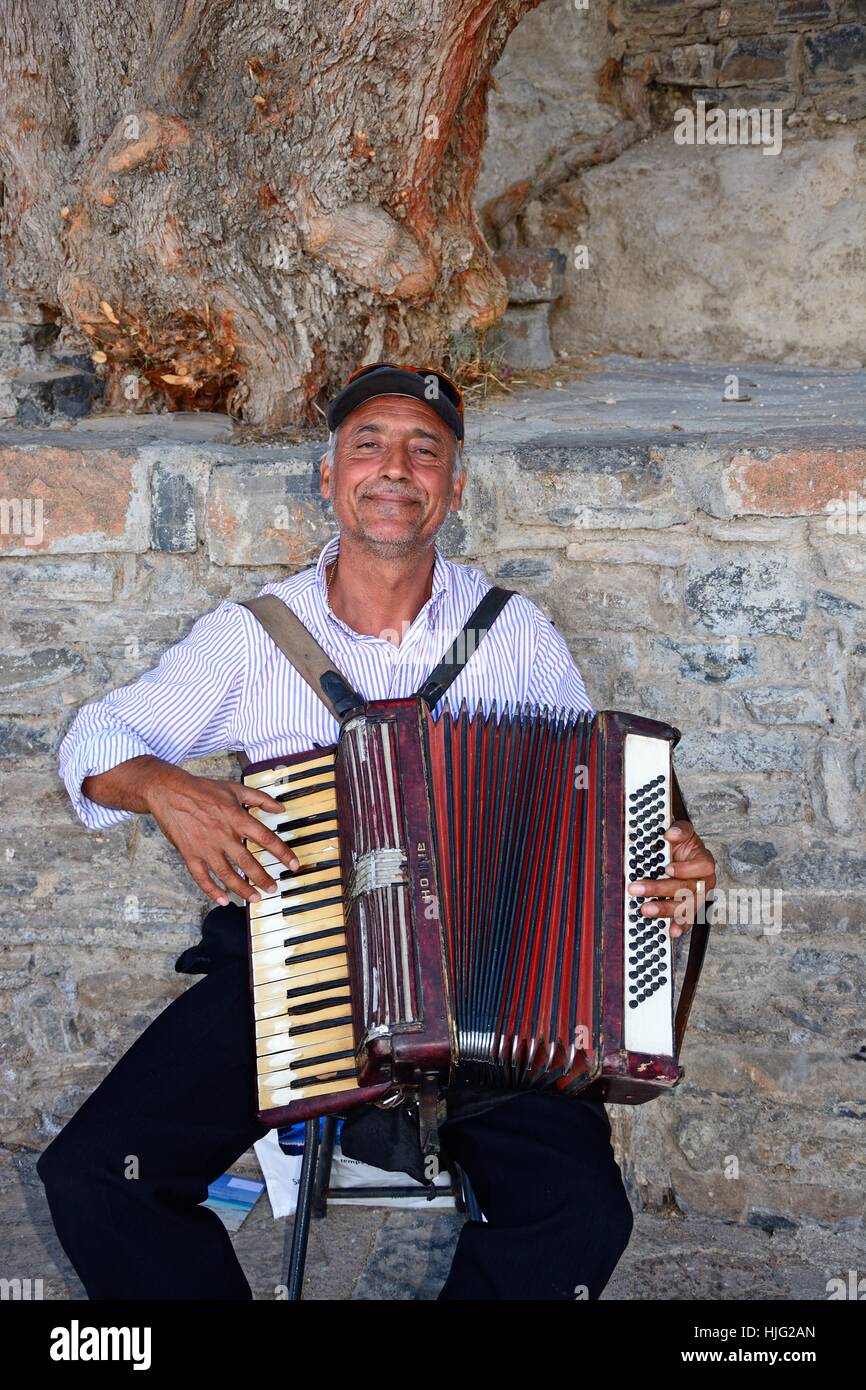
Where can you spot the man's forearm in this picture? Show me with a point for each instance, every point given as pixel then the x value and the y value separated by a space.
pixel 129 786
pixel 208 820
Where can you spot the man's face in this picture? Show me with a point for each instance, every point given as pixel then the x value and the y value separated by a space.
pixel 393 483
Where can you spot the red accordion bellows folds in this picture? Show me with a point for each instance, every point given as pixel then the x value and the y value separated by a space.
pixel 461 911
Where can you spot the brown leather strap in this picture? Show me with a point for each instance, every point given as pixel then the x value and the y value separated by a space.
pixel 310 660
pixel 698 938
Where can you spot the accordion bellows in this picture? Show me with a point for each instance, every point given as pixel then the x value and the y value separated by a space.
pixel 461 911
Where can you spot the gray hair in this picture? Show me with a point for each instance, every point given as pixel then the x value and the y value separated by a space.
pixel 331 451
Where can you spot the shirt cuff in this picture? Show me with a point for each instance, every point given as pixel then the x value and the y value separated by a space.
pixel 100 753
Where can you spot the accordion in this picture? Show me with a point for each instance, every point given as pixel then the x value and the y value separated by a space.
pixel 461 910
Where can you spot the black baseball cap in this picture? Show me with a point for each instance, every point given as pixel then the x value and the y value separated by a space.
pixel 390 379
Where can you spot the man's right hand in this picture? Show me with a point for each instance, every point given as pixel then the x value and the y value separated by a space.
pixel 204 818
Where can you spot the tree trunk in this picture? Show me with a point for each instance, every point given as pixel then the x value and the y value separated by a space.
pixel 236 203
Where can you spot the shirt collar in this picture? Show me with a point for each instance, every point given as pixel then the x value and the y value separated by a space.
pixel 441 580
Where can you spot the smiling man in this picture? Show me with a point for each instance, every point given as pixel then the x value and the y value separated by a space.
pixel 125 1177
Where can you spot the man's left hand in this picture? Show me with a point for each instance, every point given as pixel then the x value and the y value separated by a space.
pixel 679 894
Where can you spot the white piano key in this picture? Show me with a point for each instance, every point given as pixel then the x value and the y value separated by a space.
pixel 280 777
pixel 298 1059
pixel 285 952
pixel 293 904
pixel 328 1019
pixel 267 941
pixel 275 1097
pixel 297 810
pixel 310 854
pixel 292 972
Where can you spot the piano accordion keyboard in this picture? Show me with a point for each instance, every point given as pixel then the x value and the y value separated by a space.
pixel 300 968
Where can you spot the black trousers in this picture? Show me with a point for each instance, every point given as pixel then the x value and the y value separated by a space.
pixel 125 1176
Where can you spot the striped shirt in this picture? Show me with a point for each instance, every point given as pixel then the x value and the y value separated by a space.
pixel 227 687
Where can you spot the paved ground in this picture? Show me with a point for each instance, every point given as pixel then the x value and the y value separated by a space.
pixel 645 401
pixel 372 1254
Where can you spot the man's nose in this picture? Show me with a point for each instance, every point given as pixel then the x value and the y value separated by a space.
pixel 397 462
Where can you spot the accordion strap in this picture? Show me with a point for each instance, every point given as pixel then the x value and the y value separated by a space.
pixel 698 938
pixel 310 660
pixel 479 621
pixel 298 644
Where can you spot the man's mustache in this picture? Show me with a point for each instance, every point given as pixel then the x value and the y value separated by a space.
pixel 394 492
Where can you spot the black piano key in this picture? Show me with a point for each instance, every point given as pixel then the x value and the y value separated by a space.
pixel 304 1062
pixel 314 1005
pixel 303 1082
pixel 316 955
pixel 322 1026
pixel 309 790
pixel 320 865
pixel 337 930
pixel 313 906
pixel 317 987
pixel 306 840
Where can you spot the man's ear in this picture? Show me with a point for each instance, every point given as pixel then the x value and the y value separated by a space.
pixel 457 491
pixel 324 477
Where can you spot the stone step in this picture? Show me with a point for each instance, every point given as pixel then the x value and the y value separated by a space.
pixel 36 396
pixel 22 342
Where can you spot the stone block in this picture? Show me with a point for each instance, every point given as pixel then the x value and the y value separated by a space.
pixel 818 864
pixel 738 750
pixel 727 803
pixel 837 605
pixel 774 704
pixel 52 582
pixel 841 554
pixel 835 101
pixel 714 663
pixel 43 396
pixel 755 59
pixel 645 548
pixel 532 274
pixel 172 517
pixel 591 599
pixel 263 512
pixel 800 482
pixel 799 12
pixel 746 98
pixel 523 337
pixel 68 501
pixel 842 784
pixel 585 486
pixel 22 673
pixel 17 349
pixel 21 737
pixel 686 65
pixel 833 53
pixel 747 597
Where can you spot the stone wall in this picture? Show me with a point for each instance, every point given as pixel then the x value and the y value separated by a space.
pixel 695 578
pixel 697 252
pixel 803 55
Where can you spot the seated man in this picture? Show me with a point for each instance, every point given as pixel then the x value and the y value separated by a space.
pixel 125 1177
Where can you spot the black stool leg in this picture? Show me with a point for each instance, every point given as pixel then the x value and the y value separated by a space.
pixel 323 1167
pixel 301 1230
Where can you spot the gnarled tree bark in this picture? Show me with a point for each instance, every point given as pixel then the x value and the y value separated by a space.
pixel 236 203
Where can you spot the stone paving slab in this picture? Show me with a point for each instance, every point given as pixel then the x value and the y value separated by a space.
pixel 629 400
pixel 374 1254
